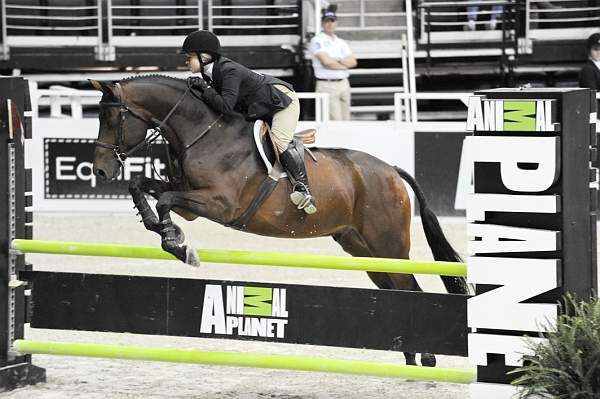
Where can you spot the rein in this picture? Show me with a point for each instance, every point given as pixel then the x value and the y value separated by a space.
pixel 117 149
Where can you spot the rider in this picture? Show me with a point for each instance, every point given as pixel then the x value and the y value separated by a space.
pixel 229 87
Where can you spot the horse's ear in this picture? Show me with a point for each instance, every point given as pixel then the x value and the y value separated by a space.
pixel 104 87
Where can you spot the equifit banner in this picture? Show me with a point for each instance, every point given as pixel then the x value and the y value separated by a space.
pixel 68 166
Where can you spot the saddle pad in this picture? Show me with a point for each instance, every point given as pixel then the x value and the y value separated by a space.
pixel 307 137
pixel 260 145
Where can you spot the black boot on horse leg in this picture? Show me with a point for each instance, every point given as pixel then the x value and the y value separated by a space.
pixel 137 188
pixel 172 236
pixel 294 164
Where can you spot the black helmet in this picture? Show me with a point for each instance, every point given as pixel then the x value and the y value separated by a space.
pixel 593 41
pixel 201 41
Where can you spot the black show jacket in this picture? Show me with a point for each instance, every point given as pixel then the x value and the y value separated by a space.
pixel 589 76
pixel 235 88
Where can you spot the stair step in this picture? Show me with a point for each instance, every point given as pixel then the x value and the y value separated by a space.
pixel 377 90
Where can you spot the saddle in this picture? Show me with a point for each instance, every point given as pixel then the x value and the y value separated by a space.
pixel 275 172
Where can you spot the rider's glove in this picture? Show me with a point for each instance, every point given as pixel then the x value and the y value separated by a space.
pixel 196 82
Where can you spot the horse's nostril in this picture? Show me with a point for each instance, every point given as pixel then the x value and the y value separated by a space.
pixel 100 173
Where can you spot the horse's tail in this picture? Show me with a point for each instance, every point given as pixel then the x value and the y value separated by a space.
pixel 440 247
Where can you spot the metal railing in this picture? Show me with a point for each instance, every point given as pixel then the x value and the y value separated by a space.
pixel 163 23
pixel 361 20
pixel 145 23
pixel 443 22
pixel 562 19
pixel 252 19
pixel 158 23
pixel 365 16
pixel 27 23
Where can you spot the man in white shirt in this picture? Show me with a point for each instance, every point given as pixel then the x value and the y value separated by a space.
pixel 332 58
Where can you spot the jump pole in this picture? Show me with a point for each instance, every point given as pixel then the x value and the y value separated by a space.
pixel 298 363
pixel 363 264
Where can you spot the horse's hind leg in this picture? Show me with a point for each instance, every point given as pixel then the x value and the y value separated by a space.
pixel 354 244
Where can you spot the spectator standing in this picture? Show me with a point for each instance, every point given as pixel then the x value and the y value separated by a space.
pixel 589 75
pixel 332 58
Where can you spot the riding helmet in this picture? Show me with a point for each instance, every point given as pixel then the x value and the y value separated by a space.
pixel 201 41
pixel 593 41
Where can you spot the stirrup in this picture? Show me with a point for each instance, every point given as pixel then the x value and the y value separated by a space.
pixel 303 201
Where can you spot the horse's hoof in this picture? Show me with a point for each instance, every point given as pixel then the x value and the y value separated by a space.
pixel 191 256
pixel 428 360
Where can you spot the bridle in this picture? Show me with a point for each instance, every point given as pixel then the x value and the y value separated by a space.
pixel 152 123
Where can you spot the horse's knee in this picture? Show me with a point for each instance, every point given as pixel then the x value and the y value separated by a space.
pixel 165 202
pixel 135 185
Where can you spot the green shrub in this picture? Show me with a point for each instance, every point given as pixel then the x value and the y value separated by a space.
pixel 567 365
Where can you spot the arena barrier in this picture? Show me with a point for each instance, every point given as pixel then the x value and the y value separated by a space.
pixel 532 218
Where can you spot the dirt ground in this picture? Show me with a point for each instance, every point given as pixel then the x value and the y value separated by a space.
pixel 97 378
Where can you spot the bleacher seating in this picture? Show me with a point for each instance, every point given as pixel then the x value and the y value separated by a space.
pixel 538 41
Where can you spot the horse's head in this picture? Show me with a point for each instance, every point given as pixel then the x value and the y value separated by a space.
pixel 122 128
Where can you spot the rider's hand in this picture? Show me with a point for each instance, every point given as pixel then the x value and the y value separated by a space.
pixel 196 82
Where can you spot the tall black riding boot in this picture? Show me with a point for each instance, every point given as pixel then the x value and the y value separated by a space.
pixel 294 165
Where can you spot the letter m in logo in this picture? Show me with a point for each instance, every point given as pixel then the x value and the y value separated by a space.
pixel 257 301
pixel 519 116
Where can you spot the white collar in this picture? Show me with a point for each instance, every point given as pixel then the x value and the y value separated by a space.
pixel 334 37
pixel 597 63
pixel 209 69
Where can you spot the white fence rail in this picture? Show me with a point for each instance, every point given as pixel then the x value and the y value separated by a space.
pixel 66 103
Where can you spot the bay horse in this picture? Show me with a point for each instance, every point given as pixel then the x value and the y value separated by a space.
pixel 362 201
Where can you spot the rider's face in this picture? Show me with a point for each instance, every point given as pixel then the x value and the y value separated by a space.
pixel 595 53
pixel 193 63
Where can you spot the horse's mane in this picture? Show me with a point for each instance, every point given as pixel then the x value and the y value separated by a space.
pixel 155 78
pixel 190 105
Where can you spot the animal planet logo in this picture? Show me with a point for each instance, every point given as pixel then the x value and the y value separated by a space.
pixel 246 311
pixel 509 115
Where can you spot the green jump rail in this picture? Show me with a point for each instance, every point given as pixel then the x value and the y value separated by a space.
pixel 235 359
pixel 385 265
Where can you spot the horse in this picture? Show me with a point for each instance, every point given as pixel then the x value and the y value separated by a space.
pixel 216 170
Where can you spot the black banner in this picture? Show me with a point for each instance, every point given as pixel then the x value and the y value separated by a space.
pixel 437 164
pixel 69 170
pixel 344 317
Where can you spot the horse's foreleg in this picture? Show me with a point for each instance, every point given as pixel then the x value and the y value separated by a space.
pixel 137 188
pixel 170 232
